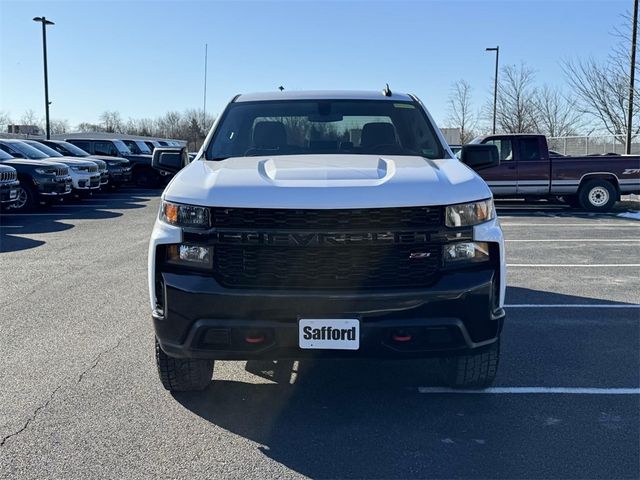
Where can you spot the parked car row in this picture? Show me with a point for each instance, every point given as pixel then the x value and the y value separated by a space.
pixel 36 173
pixel 137 152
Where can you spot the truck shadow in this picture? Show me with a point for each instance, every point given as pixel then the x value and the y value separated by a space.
pixel 60 217
pixel 366 419
pixel 545 208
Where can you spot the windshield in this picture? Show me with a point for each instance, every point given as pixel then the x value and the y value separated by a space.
pixel 122 148
pixel 374 127
pixel 73 150
pixel 5 156
pixel 27 150
pixel 50 152
pixel 142 147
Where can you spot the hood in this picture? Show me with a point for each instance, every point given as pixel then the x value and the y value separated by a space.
pixel 121 162
pixel 6 168
pixel 25 164
pixel 326 182
pixel 73 161
pixel 139 158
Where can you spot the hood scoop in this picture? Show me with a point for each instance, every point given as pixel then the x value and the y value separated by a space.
pixel 330 170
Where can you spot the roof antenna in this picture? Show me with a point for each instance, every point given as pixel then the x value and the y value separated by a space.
pixel 281 88
pixel 386 91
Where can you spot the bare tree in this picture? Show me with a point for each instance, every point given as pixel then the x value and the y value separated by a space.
pixel 602 86
pixel 111 122
pixel 516 108
pixel 59 126
pixel 169 125
pixel 5 120
pixel 89 127
pixel 29 118
pixel 556 115
pixel 461 114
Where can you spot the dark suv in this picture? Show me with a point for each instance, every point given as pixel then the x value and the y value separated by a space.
pixel 41 181
pixel 118 169
pixel 138 147
pixel 143 174
pixel 8 186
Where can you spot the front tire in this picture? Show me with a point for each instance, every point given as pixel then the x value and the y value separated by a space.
pixel 183 374
pixel 26 201
pixel 476 370
pixel 597 195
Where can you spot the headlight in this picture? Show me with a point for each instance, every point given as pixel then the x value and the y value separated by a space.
pixel 469 214
pixel 190 255
pixel 184 215
pixel 46 171
pixel 465 252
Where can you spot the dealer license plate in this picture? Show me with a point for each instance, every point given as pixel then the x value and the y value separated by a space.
pixel 329 334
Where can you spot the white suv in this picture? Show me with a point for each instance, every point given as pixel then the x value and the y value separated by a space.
pixel 85 174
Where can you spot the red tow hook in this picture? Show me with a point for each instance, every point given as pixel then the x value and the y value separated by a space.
pixel 254 340
pixel 401 337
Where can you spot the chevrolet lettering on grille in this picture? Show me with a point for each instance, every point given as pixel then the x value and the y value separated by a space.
pixel 309 239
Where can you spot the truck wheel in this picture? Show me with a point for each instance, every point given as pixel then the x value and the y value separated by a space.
pixel 26 199
pixel 471 371
pixel 183 374
pixel 597 195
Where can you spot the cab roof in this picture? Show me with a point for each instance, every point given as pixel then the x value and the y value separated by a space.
pixel 322 95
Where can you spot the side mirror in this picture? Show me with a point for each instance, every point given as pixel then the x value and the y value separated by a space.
pixel 479 156
pixel 170 159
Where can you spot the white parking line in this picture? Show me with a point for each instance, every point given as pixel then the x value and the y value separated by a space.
pixel 34 214
pixel 607 240
pixel 594 224
pixel 80 206
pixel 568 305
pixel 572 265
pixel 535 390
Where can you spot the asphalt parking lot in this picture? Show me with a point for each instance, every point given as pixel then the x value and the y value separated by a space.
pixel 80 396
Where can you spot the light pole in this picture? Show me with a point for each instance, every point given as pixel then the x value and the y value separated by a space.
pixel 45 22
pixel 632 73
pixel 495 85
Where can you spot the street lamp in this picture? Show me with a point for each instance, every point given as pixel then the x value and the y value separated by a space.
pixel 45 22
pixel 495 85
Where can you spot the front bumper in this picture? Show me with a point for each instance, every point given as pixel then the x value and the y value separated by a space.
pixel 120 176
pixel 201 319
pixel 9 191
pixel 87 182
pixel 52 187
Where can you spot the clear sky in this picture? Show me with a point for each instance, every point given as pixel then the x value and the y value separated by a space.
pixel 147 57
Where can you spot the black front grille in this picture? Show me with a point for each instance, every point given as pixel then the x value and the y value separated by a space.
pixel 352 267
pixel 360 249
pixel 385 219
pixel 8 176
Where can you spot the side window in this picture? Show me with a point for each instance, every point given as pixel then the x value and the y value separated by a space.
pixel 529 149
pixel 504 148
pixel 81 144
pixel 105 148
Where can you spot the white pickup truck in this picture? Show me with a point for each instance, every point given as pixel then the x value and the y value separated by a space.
pixel 324 224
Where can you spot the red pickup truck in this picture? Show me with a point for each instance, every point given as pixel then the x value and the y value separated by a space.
pixel 526 170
